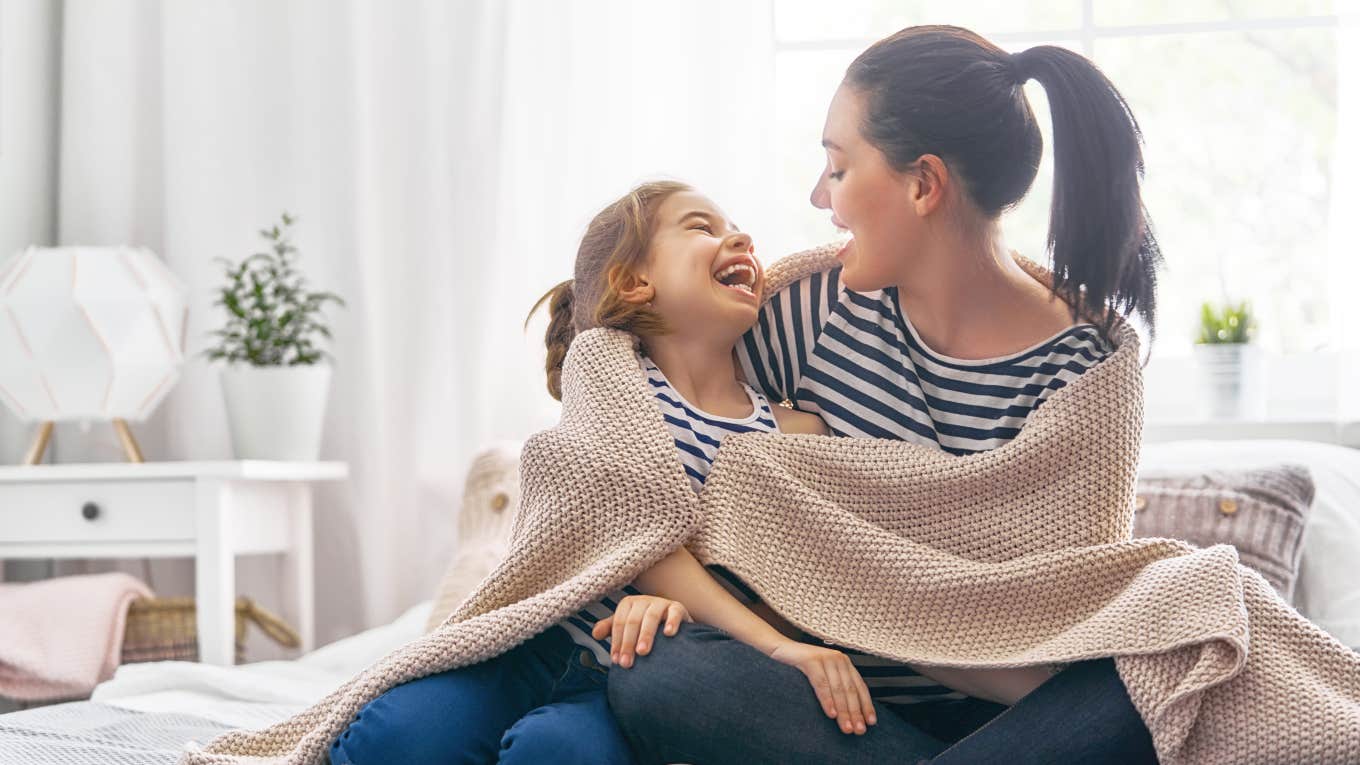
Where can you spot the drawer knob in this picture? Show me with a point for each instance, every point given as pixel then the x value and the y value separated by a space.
pixel 90 510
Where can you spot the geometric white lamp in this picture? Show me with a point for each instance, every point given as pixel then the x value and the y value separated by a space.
pixel 89 333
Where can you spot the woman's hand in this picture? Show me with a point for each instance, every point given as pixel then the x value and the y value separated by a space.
pixel 837 682
pixel 634 623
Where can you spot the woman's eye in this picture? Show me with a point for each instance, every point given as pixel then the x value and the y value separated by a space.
pixel 702 227
pixel 836 176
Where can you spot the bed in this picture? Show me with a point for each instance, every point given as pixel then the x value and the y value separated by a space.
pixel 147 712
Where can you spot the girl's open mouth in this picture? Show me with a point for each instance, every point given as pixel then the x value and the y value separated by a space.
pixel 739 277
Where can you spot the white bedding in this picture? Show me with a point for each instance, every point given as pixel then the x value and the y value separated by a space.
pixel 253 695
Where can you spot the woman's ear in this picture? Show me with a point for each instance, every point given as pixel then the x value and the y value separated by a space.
pixel 932 182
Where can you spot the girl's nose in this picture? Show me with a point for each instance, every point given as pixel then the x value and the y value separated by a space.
pixel 740 242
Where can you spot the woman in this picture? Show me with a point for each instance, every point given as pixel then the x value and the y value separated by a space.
pixel 929 139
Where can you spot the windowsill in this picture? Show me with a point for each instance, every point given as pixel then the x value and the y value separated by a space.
pixel 1312 396
pixel 1345 432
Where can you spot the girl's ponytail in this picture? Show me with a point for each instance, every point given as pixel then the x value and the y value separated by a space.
pixel 559 333
pixel 1098 229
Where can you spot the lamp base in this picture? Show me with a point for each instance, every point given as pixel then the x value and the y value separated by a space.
pixel 35 452
pixel 130 449
pixel 40 441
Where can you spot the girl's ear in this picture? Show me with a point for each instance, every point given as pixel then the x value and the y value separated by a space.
pixel 631 287
pixel 931 183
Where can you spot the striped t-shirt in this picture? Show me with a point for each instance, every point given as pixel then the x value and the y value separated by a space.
pixel 697 435
pixel 856 360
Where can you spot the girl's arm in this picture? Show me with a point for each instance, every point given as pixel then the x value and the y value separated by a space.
pixel 680 576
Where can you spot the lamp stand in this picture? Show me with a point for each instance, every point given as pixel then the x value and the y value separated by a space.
pixel 130 449
pixel 40 441
pixel 39 447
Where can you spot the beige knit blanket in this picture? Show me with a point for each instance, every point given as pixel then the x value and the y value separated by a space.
pixel 1016 556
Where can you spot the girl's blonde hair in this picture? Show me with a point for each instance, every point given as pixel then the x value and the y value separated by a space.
pixel 613 249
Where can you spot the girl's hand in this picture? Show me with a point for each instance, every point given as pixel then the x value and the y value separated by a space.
pixel 634 622
pixel 838 685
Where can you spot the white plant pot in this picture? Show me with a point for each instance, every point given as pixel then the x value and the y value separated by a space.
pixel 276 413
pixel 1232 380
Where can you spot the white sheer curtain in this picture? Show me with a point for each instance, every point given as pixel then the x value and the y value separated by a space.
pixel 443 159
pixel 1345 260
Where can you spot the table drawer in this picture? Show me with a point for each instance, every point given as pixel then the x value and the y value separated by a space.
pixel 121 511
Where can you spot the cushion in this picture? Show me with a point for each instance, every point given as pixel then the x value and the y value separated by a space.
pixel 490 498
pixel 1260 511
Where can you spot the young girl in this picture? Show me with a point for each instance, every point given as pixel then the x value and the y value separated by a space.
pixel 665 264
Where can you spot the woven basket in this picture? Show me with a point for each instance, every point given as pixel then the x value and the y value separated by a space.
pixel 161 629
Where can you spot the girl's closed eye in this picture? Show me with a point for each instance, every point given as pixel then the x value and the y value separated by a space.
pixel 837 175
pixel 702 227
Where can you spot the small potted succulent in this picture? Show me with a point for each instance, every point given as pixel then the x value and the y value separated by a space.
pixel 1230 364
pixel 275 382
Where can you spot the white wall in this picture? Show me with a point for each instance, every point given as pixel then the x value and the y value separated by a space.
pixel 29 68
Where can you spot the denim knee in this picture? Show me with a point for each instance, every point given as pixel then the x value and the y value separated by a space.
pixel 577 731
pixel 409 722
pixel 660 684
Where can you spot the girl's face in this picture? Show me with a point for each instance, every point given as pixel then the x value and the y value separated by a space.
pixel 701 270
pixel 867 197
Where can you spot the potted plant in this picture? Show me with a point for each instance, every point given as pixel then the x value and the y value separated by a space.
pixel 276 382
pixel 1230 364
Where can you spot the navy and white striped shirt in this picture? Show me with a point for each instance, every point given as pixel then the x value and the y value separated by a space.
pixel 697 435
pixel 856 360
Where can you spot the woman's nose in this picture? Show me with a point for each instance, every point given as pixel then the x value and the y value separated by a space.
pixel 819 196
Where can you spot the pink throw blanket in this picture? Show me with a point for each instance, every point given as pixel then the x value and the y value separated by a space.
pixel 59 638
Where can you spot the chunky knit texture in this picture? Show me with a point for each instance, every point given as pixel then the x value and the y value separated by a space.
pixel 1017 556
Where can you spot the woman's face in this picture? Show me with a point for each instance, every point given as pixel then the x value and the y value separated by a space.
pixel 866 196
pixel 702 269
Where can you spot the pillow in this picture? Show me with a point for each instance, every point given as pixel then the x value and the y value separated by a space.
pixel 490 499
pixel 1325 591
pixel 1260 511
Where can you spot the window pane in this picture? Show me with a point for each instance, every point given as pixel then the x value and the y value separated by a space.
pixel 1119 12
pixel 804 84
pixel 1240 130
pixel 803 20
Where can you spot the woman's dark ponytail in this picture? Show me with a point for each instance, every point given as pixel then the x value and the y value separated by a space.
pixel 1098 228
pixel 559 333
pixel 947 91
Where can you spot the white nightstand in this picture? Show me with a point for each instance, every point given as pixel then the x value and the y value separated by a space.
pixel 209 511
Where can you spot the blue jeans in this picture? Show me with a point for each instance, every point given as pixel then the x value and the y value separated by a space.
pixel 705 698
pixel 542 701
